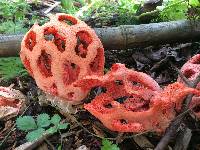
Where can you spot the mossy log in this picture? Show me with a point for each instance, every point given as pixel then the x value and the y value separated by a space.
pixel 125 36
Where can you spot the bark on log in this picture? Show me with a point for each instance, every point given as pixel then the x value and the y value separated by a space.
pixel 125 36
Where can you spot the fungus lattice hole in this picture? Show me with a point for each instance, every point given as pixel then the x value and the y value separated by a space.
pixel 69 20
pixel 118 82
pixel 97 63
pixel 123 121
pixel 44 63
pixel 73 66
pixel 94 92
pixel 121 99
pixel 196 109
pixel 27 66
pixel 189 73
pixel 99 90
pixel 135 83
pixel 83 41
pixel 54 90
pixel 51 34
pixel 108 105
pixel 136 104
pixel 70 95
pixel 164 111
pixel 30 40
pixel 49 37
pixel 103 90
pixel 146 106
pixel 71 72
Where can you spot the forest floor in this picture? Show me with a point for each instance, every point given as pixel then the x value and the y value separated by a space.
pixel 84 128
pixel 155 61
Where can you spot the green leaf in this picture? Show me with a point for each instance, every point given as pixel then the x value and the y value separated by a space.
pixel 59 147
pixel 26 123
pixel 43 120
pixel 63 126
pixel 52 130
pixel 194 3
pixel 67 4
pixel 56 119
pixel 10 67
pixel 174 10
pixel 107 145
pixel 34 135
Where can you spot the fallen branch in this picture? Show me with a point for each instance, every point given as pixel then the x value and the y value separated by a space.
pixel 125 36
pixel 52 7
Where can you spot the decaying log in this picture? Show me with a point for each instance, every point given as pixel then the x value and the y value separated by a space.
pixel 125 36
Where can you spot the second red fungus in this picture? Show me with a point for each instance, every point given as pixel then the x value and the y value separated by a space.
pixel 161 110
pixel 191 69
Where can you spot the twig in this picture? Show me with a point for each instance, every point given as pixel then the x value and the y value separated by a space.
pixel 73 119
pixel 49 143
pixel 119 138
pixel 172 130
pixel 52 7
pixel 185 80
pixel 157 11
pixel 183 139
pixel 32 145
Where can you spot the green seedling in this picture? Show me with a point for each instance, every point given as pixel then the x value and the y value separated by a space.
pixel 108 145
pixel 42 125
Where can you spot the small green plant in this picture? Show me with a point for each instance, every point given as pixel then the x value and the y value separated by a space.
pixel 69 7
pixel 112 12
pixel 127 10
pixel 173 10
pixel 9 27
pixel 14 10
pixel 67 4
pixel 10 67
pixel 179 9
pixel 40 126
pixel 108 145
pixel 12 14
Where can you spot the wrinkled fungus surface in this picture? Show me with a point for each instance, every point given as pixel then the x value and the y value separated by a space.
pixel 60 52
pixel 120 82
pixel 153 114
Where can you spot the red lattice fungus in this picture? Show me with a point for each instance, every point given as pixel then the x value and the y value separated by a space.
pixel 132 101
pixel 120 82
pixel 191 69
pixel 153 114
pixel 11 102
pixel 60 52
